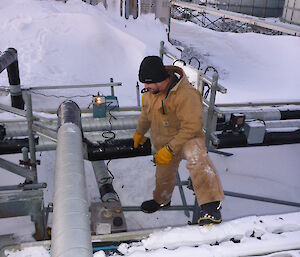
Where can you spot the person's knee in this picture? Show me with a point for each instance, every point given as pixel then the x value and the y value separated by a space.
pixel 195 153
pixel 191 149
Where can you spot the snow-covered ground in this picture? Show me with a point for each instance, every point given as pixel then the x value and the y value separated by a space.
pixel 75 43
pixel 246 62
pixel 249 236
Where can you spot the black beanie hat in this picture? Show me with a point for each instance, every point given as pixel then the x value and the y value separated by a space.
pixel 152 70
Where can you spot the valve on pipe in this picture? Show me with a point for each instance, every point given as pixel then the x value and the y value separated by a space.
pixel 115 149
pixel 9 61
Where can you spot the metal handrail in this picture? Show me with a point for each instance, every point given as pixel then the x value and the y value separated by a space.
pixel 203 77
pixel 74 86
pixel 214 86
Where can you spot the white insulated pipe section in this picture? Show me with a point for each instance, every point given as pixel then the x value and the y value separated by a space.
pixel 71 235
pixel 17 129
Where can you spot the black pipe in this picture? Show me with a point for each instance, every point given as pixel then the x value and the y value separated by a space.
pixel 2 132
pixel 284 115
pixel 11 146
pixel 290 115
pixel 116 148
pixel 9 61
pixel 279 138
pixel 231 140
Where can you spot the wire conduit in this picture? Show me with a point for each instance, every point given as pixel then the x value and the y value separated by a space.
pixel 71 235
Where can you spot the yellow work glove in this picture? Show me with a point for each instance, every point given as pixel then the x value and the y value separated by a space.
pixel 138 139
pixel 163 156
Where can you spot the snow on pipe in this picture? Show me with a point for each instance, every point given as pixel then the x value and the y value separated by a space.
pixel 17 129
pixel 9 61
pixel 71 234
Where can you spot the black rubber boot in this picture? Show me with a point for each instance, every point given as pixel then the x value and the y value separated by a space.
pixel 152 206
pixel 210 214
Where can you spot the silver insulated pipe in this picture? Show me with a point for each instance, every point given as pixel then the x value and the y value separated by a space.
pixel 89 124
pixel 71 234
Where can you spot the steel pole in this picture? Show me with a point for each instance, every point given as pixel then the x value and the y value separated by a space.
pixel 138 94
pixel 16 169
pixel 210 113
pixel 32 151
pixel 162 49
pixel 71 234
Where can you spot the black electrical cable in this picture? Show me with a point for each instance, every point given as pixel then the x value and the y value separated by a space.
pixel 195 58
pixel 107 138
pixel 211 67
pixel 112 136
pixel 207 92
pixel 60 96
pixel 112 176
pixel 179 60
pixel 206 70
pixel 109 134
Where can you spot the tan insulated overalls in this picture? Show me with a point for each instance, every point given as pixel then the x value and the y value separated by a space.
pixel 177 121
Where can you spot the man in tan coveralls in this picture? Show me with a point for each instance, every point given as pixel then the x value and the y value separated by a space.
pixel 172 110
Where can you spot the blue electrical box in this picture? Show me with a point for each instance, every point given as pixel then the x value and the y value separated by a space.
pixel 101 104
pixel 112 103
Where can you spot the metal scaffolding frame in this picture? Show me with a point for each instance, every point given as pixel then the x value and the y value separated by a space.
pixel 39 125
pixel 30 203
pixel 225 21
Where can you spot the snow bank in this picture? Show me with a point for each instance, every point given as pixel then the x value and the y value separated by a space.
pixel 253 67
pixel 76 43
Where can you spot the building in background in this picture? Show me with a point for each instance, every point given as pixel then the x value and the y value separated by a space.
pixel 288 10
pixel 259 8
pixel 160 8
pixel 148 6
pixel 291 12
